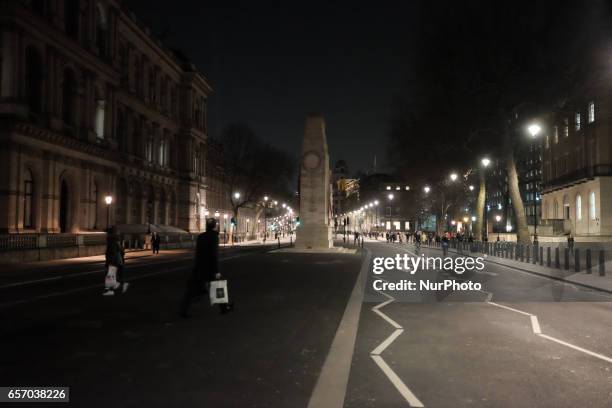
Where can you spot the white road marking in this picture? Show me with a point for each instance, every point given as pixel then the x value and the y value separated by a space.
pixel 535 327
pixel 382 346
pixel 330 389
pixel 412 400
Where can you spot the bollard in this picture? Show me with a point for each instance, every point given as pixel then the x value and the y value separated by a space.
pixel 577 260
pixel 528 252
pixel 557 263
pixel 602 263
pixel 566 259
pixel 548 257
pixel 279 241
pixel 589 265
pixel 541 256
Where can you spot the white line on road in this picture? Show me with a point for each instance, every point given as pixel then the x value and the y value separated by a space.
pixel 412 400
pixel 535 327
pixel 382 346
pixel 330 389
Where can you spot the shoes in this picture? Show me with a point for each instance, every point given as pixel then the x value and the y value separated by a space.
pixel 108 292
pixel 125 287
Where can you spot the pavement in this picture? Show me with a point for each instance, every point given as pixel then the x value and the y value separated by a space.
pixel 309 330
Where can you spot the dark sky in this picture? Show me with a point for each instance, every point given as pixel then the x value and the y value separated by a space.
pixel 445 69
pixel 270 65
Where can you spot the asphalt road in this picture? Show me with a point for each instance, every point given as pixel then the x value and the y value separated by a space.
pixel 521 341
pixel 133 350
pixel 482 348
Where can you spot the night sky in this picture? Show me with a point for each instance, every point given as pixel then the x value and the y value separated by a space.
pixel 450 66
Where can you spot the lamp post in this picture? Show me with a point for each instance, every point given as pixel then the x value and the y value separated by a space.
pixel 498 219
pixel 108 200
pixel 485 222
pixel 265 218
pixel 534 130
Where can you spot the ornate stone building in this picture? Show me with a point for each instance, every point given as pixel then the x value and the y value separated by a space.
pixel 92 105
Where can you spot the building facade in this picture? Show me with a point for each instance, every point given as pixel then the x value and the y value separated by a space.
pixel 577 166
pixel 92 106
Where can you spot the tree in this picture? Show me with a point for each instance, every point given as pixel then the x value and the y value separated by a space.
pixel 254 169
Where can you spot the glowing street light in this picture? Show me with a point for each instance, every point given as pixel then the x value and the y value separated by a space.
pixel 485 162
pixel 473 218
pixel 390 196
pixel 266 198
pixel 236 195
pixel 427 189
pixel 108 200
pixel 376 202
pixel 534 130
pixel 454 176
pixel 284 205
pixel 498 218
pixel 216 214
pixel 471 188
pixel 206 213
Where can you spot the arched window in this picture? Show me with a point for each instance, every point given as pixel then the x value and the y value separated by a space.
pixel 28 200
pixel 68 97
pixel 578 208
pixel 94 204
pixel 71 18
pixel 101 29
pixel 33 80
pixel 556 210
pixel 592 206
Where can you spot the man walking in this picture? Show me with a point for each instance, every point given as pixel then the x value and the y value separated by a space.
pixel 205 269
pixel 115 256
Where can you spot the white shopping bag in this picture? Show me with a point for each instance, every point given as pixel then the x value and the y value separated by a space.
pixel 111 277
pixel 218 292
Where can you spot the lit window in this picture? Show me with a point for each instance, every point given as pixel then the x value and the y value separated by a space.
pixel 388 187
pixel 592 207
pixel 397 188
pixel 407 188
pixel 578 208
pixel 556 134
pixel 577 120
pixel 591 112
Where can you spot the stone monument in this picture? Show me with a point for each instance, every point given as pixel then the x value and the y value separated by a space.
pixel 315 231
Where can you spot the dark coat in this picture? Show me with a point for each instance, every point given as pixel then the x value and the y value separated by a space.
pixel 114 252
pixel 207 257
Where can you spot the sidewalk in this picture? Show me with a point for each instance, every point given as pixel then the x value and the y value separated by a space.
pixel 591 281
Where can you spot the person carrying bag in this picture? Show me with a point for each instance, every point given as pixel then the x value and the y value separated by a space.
pixel 115 259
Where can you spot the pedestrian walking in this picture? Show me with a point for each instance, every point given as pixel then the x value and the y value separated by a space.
pixel 155 242
pixel 205 269
pixel 445 242
pixel 114 262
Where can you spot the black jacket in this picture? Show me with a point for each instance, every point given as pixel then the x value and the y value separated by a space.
pixel 115 254
pixel 207 256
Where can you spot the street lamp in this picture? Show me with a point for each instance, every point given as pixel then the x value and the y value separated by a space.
pixel 534 130
pixel 485 162
pixel 390 196
pixel 108 200
pixel 454 176
pixel 265 218
pixel 498 219
pixel 427 189
pixel 471 188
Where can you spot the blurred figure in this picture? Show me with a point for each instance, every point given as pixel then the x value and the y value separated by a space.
pixel 115 256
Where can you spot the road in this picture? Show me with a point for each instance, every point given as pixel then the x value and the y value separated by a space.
pixel 523 340
pixel 482 349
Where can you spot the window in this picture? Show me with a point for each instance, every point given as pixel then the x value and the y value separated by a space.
pixel 33 79
pixel 68 97
pixel 547 142
pixel 592 208
pixel 578 208
pixel 163 149
pixel 577 120
pixel 388 187
pixel 591 112
pixel 28 194
pixel 99 119
pixel 556 134
pixel 149 149
pixel 566 127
